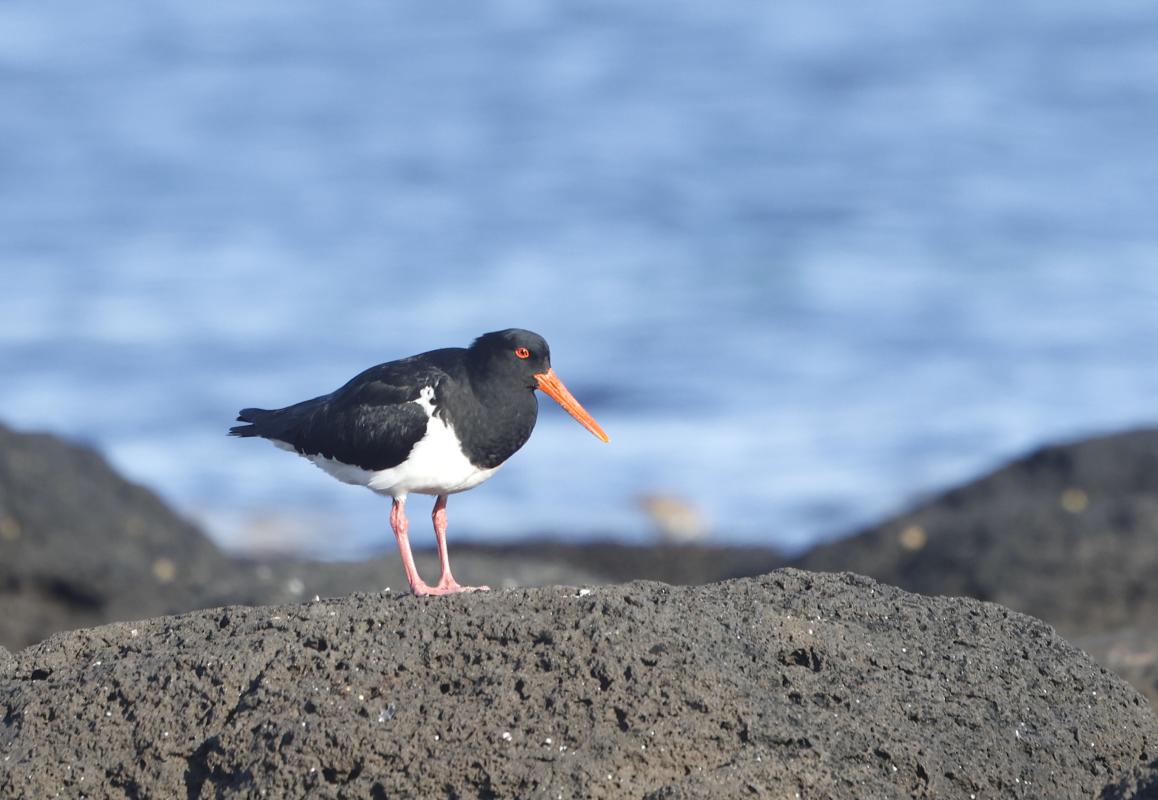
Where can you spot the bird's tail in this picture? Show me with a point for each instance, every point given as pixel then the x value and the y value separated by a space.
pixel 254 417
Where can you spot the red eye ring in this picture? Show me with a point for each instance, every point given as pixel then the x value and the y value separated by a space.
pixel 522 352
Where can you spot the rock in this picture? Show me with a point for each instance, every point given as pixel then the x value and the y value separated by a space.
pixel 7 663
pixel 1068 534
pixel 289 580
pixel 609 561
pixel 1130 652
pixel 79 545
pixel 832 686
pixel 1140 784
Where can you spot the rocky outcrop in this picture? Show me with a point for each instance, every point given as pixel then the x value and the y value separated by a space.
pixel 1068 534
pixel 825 686
pixel 79 545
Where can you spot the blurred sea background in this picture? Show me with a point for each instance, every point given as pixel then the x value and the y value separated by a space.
pixel 805 262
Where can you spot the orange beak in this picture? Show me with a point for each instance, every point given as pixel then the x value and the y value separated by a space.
pixel 549 382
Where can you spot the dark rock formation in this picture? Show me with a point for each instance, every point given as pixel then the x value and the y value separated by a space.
pixel 1130 652
pixel 79 545
pixel 830 686
pixel 1068 534
pixel 616 562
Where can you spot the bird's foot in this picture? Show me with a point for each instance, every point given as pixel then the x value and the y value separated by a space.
pixel 445 587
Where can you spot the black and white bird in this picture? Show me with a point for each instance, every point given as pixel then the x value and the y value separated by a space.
pixel 436 423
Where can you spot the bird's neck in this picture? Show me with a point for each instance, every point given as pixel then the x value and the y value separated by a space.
pixel 496 425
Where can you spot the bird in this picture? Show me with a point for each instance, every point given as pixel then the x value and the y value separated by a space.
pixel 436 423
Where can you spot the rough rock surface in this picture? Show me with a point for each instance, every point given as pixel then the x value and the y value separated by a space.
pixel 1130 652
pixel 1068 534
pixel 617 562
pixel 830 686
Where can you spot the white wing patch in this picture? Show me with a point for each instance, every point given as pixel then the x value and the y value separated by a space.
pixel 436 464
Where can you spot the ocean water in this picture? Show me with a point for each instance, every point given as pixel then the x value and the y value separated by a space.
pixel 806 263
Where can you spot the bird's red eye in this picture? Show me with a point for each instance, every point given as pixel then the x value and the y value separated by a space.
pixel 522 352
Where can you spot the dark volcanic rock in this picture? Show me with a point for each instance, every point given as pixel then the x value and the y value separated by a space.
pixel 1068 533
pixel 616 562
pixel 79 545
pixel 830 686
pixel 1140 784
pixel 1130 652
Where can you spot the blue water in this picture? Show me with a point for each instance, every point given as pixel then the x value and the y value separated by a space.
pixel 805 262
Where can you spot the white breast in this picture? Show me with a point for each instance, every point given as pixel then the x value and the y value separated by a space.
pixel 436 464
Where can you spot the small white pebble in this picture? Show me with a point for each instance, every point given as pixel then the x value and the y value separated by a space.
pixel 547 740
pixel 583 592
pixel 436 737
pixel 506 736
pixel 133 632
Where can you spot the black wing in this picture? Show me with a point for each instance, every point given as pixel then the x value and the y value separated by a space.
pixel 372 422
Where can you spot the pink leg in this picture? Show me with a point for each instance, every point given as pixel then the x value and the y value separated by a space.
pixel 446 582
pixel 401 535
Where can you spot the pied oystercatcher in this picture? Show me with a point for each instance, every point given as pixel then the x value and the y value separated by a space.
pixel 435 423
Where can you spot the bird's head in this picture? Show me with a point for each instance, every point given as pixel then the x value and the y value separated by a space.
pixel 517 356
